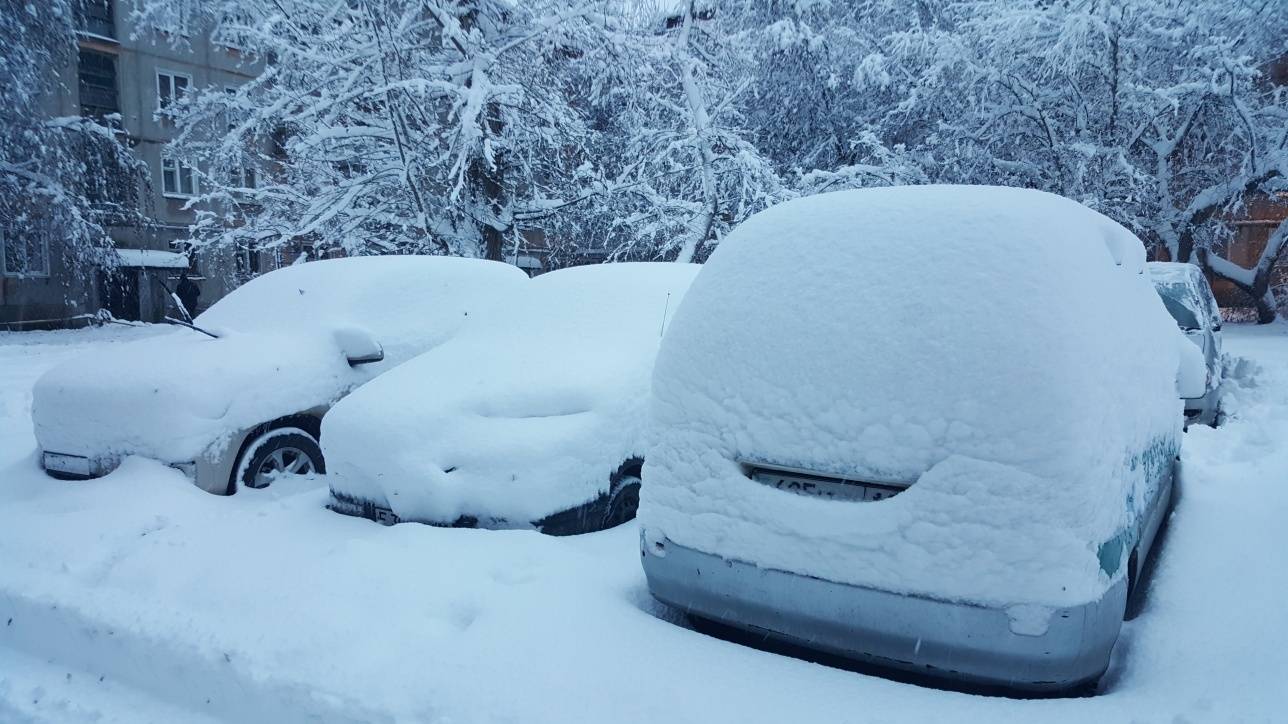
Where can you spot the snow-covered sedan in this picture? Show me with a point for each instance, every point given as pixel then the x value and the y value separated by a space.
pixel 932 428
pixel 534 420
pixel 239 397
pixel 1188 298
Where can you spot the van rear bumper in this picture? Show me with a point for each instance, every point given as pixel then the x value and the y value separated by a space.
pixel 950 640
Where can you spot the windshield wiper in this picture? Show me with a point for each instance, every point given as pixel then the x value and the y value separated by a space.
pixel 190 325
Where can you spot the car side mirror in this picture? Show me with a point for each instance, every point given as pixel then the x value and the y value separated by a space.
pixel 358 346
pixel 1191 374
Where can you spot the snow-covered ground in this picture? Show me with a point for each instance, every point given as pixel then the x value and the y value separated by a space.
pixel 138 598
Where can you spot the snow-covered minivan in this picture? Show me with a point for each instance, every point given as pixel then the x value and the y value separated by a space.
pixel 931 428
pixel 238 399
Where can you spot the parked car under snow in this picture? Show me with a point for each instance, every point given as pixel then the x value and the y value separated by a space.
pixel 941 438
pixel 535 419
pixel 1188 298
pixel 244 403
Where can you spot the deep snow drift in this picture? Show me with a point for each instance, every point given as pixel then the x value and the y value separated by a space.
pixel 137 599
pixel 998 349
pixel 526 414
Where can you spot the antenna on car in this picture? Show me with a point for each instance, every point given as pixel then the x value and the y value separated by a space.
pixel 665 307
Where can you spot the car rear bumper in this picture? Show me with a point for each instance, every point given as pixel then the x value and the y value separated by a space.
pixel 957 641
pixel 66 466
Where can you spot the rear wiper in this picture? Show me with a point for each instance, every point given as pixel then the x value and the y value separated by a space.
pixel 190 325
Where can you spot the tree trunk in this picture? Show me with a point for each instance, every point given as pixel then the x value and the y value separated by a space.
pixel 1255 282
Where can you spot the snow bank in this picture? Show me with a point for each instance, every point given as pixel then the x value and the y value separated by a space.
pixel 176 396
pixel 525 415
pixel 1000 348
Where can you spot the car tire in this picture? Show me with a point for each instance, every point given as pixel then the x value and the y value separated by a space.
pixel 287 450
pixel 623 503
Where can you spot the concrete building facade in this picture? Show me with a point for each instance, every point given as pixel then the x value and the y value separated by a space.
pixel 131 71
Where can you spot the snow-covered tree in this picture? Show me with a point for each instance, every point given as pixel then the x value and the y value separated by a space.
pixel 678 168
pixel 384 126
pixel 65 179
pixel 1155 112
pixel 647 130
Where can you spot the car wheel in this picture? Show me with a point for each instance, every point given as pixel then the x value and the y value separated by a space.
pixel 283 451
pixel 623 503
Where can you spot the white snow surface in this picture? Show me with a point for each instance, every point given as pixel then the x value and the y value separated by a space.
pixel 179 395
pixel 152 258
pixel 137 599
pixel 998 348
pixel 531 411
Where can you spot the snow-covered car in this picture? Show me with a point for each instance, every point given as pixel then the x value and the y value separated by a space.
pixel 535 420
pixel 1188 298
pixel 932 428
pixel 239 398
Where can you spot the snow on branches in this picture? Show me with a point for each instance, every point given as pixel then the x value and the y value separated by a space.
pixel 648 129
pixel 61 178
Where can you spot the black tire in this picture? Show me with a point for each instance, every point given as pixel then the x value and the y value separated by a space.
pixel 282 450
pixel 624 502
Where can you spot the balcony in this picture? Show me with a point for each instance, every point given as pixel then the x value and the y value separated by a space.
pixel 96 18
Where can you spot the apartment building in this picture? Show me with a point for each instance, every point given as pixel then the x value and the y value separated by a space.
pixel 130 71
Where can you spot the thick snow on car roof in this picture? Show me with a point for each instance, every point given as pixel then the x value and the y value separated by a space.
pixel 523 415
pixel 406 302
pixel 1000 348
pixel 171 396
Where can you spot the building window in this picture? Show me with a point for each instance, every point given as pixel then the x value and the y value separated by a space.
pixel 97 85
pixel 171 20
pixel 244 177
pixel 177 178
pixel 230 32
pixel 26 254
pixel 247 260
pixel 171 87
pixel 94 17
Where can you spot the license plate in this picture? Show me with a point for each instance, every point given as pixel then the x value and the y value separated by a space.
pixel 70 464
pixel 818 486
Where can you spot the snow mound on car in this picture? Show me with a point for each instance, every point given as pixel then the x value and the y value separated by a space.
pixel 175 396
pixel 408 303
pixel 1000 348
pixel 524 415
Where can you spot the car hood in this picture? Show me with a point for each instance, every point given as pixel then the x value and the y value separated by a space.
pixel 175 396
pixel 474 429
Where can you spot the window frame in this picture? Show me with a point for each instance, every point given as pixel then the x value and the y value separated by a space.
pixel 43 273
pixel 179 166
pixel 161 105
pixel 110 60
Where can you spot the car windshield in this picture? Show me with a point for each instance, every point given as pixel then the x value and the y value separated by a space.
pixel 1185 317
